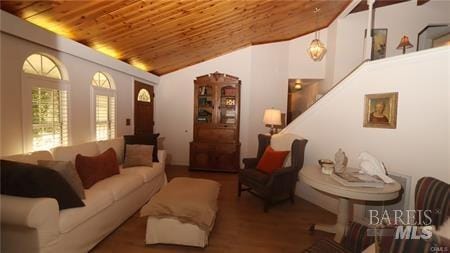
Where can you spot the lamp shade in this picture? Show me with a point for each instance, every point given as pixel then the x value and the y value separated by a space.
pixel 404 43
pixel 272 117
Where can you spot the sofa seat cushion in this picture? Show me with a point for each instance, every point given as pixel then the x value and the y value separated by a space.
pixel 96 200
pixel 120 185
pixel 253 176
pixel 147 173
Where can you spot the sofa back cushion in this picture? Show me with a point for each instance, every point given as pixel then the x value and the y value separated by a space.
pixel 144 139
pixel 138 155
pixel 32 181
pixel 95 168
pixel 30 158
pixel 117 144
pixel 69 153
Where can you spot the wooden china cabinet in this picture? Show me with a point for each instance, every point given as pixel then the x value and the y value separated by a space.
pixel 216 145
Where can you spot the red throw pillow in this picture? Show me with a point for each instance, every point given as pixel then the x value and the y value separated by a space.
pixel 92 169
pixel 271 160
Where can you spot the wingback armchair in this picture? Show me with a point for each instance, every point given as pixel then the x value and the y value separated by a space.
pixel 280 185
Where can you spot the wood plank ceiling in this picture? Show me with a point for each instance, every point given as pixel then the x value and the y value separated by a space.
pixel 162 36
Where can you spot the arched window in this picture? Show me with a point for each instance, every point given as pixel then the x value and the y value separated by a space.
pixel 45 111
pixel 105 106
pixel 41 65
pixel 144 96
pixel 101 80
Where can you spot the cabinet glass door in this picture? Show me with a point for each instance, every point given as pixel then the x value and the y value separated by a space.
pixel 228 105
pixel 205 101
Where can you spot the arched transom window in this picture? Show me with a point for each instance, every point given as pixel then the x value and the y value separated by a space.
pixel 41 65
pixel 101 80
pixel 46 110
pixel 144 96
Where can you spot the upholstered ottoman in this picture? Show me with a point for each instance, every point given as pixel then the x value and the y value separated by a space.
pixel 183 212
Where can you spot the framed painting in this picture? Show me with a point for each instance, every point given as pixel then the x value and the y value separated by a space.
pixel 380 110
pixel 379 38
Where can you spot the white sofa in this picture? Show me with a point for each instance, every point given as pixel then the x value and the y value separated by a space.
pixel 37 225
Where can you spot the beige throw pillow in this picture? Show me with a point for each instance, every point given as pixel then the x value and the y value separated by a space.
pixel 138 155
pixel 68 172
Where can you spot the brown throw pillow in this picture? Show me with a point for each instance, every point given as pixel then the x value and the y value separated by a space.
pixel 138 155
pixel 143 139
pixel 68 172
pixel 95 168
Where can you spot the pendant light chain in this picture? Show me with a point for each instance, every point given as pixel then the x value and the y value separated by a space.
pixel 317 49
pixel 316 13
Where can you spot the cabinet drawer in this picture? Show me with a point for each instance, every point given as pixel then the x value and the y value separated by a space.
pixel 226 148
pixel 216 135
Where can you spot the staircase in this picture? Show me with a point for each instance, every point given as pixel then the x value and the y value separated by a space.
pixel 419 145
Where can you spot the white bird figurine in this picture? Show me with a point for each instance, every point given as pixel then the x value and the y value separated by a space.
pixel 372 167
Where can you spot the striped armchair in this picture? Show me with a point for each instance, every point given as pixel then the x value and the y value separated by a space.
pixel 355 240
pixel 430 194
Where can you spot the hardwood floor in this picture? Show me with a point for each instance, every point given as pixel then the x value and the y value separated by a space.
pixel 241 225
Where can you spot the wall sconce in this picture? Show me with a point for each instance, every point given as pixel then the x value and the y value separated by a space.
pixel 298 84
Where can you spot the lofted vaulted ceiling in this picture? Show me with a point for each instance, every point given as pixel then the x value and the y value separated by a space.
pixel 162 36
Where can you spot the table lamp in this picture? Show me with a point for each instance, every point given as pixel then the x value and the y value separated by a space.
pixel 404 44
pixel 272 117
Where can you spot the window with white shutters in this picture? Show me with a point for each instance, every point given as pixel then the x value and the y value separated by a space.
pixel 105 107
pixel 45 104
pixel 104 117
pixel 49 118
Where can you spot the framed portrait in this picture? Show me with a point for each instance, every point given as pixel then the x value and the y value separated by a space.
pixel 380 110
pixel 379 38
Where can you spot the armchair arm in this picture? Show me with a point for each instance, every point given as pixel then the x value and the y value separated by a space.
pixel 356 238
pixel 283 171
pixel 250 163
pixel 162 156
pixel 41 214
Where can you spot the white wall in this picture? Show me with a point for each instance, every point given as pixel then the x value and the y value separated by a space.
pixel 300 64
pixel 263 70
pixel 418 147
pixel 346 43
pixel 14 51
pixel 174 101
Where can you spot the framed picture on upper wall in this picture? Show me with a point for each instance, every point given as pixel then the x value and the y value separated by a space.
pixel 380 110
pixel 379 38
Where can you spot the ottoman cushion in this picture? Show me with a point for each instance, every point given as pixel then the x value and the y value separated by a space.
pixel 189 200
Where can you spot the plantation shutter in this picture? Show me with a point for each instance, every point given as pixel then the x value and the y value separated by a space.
pixel 49 118
pixel 105 117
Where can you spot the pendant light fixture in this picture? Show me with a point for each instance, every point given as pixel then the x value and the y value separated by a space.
pixel 317 49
